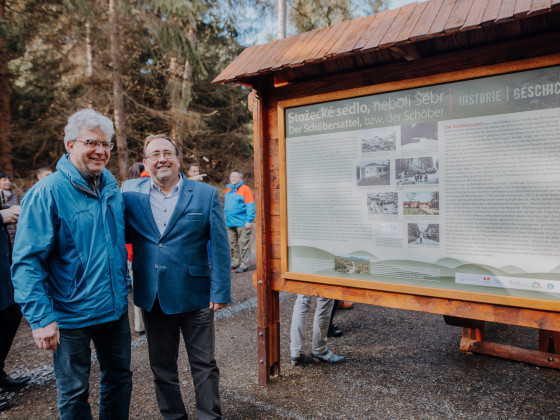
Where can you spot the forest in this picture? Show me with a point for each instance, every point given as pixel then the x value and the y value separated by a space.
pixel 147 64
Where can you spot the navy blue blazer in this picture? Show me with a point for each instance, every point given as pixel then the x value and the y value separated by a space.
pixel 174 265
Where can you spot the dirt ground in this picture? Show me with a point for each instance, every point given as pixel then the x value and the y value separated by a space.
pixel 399 365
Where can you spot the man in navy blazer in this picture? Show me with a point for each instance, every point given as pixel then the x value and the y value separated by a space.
pixel 169 221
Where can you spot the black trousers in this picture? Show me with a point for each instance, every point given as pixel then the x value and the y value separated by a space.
pixel 9 319
pixel 163 333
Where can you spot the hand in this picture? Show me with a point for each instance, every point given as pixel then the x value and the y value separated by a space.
pixel 248 225
pixel 48 337
pixel 217 306
pixel 10 215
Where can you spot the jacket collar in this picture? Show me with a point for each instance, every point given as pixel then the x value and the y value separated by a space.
pixel 71 172
pixel 230 186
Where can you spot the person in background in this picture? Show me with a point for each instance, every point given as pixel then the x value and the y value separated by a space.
pixel 69 271
pixel 42 173
pixel 135 172
pixel 8 199
pixel 10 313
pixel 319 350
pixel 239 207
pixel 193 172
pixel 174 283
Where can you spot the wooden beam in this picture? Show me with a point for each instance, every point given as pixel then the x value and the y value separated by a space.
pixel 268 325
pixel 534 357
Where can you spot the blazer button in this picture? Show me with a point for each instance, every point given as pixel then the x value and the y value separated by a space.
pixel 161 245
pixel 155 266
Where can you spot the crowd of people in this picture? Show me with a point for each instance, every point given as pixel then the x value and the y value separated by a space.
pixel 68 271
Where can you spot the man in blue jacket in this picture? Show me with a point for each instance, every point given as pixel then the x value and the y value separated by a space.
pixel 169 221
pixel 69 270
pixel 239 207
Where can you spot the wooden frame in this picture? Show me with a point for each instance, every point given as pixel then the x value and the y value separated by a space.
pixel 469 310
pixel 511 67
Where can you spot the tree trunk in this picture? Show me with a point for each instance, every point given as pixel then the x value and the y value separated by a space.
pixel 186 92
pixel 122 148
pixel 5 145
pixel 281 19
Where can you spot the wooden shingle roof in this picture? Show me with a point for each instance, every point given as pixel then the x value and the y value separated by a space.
pixel 407 33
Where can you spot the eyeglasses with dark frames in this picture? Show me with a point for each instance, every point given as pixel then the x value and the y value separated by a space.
pixel 155 155
pixel 94 144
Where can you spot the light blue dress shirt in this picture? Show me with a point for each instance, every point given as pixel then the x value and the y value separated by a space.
pixel 163 205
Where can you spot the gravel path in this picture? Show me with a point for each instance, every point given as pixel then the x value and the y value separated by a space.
pixel 399 365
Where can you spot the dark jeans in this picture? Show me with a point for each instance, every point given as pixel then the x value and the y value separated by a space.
pixel 163 332
pixel 9 320
pixel 72 363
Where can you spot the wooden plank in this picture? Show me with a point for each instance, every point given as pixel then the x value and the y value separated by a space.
pixel 267 308
pixel 490 312
pixel 476 14
pixel 270 53
pixel 458 15
pixel 380 30
pixel 392 34
pixel 337 30
pixel 322 36
pixel 291 52
pixel 351 31
pixel 258 60
pixel 233 70
pixel 407 29
pixel 533 357
pixel 506 11
pixel 514 55
pixel 348 46
pixel 539 6
pixel 278 49
pixel 422 27
pixel 364 38
pixel 441 18
pixel 287 44
pixel 492 11
pixel 522 8
pixel 310 45
pixel 245 64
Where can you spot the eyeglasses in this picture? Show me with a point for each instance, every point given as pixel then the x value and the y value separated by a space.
pixel 155 155
pixel 94 144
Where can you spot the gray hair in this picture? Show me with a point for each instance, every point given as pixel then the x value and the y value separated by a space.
pixel 239 172
pixel 90 119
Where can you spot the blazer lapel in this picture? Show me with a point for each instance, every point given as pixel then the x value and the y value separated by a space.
pixel 185 196
pixel 144 198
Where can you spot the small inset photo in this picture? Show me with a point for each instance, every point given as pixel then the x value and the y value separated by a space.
pixel 423 234
pixel 351 264
pixel 382 139
pixel 421 203
pixel 383 203
pixel 422 170
pixel 419 136
pixel 373 172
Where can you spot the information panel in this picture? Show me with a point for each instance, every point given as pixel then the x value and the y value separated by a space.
pixel 453 186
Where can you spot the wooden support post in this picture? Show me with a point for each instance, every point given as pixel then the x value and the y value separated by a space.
pixel 268 322
pixel 473 341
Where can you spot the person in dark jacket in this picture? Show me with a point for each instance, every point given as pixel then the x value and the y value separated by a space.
pixel 8 199
pixel 69 271
pixel 169 221
pixel 10 313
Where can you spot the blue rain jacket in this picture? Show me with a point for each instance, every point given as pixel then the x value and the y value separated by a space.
pixel 69 257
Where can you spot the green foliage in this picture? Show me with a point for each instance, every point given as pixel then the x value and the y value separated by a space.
pixel 49 80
